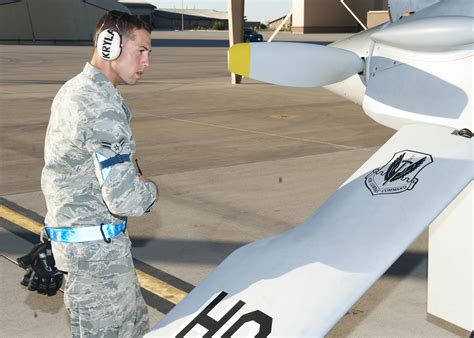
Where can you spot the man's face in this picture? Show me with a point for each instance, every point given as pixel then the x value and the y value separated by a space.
pixel 135 57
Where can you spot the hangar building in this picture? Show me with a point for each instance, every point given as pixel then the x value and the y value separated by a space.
pixel 174 19
pixel 330 16
pixel 144 10
pixel 52 21
pixel 73 21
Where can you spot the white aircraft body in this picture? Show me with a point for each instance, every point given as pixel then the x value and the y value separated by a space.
pixel 413 74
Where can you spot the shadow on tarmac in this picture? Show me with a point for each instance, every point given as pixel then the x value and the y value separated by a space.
pixel 212 252
pixel 43 303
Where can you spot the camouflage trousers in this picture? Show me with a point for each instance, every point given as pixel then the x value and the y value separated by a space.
pixel 103 299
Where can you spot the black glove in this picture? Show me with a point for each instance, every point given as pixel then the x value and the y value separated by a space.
pixel 41 275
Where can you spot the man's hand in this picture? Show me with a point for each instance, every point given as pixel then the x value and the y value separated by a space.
pixel 143 178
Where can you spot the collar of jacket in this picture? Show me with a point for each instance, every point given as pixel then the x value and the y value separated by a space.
pixel 101 80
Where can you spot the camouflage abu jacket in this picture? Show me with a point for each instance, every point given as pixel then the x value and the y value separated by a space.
pixel 89 116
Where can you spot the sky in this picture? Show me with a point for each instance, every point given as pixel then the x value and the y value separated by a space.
pixel 255 10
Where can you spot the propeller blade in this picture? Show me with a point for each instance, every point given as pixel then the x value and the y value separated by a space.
pixel 293 64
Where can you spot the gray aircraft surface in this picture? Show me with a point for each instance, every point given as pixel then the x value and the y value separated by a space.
pixel 413 74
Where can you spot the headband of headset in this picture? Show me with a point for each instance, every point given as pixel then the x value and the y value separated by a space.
pixel 109 40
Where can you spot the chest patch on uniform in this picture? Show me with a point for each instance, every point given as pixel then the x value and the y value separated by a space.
pixel 116 147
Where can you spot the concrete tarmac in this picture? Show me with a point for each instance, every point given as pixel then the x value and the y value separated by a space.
pixel 234 163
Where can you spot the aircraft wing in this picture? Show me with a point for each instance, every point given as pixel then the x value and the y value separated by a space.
pixel 300 283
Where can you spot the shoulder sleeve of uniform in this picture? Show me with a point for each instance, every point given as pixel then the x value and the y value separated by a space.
pixel 105 134
pixel 102 128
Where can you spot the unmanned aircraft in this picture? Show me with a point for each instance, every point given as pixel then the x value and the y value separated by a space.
pixel 414 74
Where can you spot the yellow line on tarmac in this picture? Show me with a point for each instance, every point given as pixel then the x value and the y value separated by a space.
pixel 148 282
pixel 160 288
pixel 19 219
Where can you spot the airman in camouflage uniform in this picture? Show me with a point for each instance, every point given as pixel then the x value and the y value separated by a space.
pixel 90 117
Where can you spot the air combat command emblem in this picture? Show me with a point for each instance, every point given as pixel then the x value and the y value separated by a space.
pixel 399 174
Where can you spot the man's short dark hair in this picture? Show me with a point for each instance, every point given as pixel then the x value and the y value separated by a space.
pixel 124 22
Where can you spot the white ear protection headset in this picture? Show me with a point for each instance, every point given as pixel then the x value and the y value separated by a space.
pixel 109 40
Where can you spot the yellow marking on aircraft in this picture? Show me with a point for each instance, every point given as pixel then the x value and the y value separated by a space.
pixel 148 282
pixel 239 59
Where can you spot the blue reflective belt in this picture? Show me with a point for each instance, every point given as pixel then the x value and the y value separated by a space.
pixel 85 234
pixel 114 160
